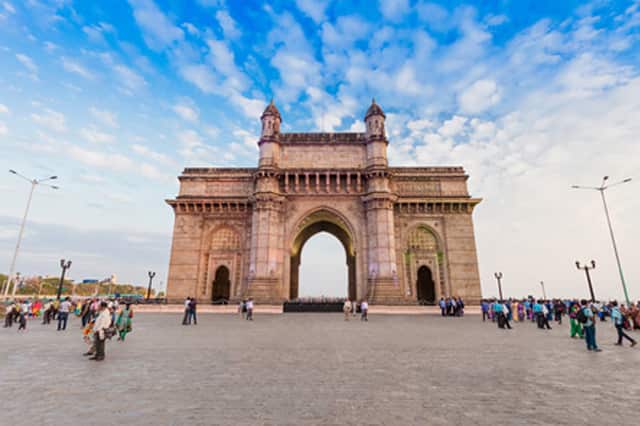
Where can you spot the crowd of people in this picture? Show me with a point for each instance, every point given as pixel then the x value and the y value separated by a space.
pixel 583 316
pixel 100 319
pixel 451 306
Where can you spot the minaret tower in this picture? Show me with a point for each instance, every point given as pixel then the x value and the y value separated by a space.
pixel 267 228
pixel 379 200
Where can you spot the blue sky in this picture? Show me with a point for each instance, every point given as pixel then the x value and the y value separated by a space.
pixel 117 97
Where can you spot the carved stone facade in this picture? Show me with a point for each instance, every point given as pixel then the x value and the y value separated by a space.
pixel 407 232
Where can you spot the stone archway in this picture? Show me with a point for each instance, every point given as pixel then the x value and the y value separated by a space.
pixel 322 221
pixel 221 290
pixel 425 286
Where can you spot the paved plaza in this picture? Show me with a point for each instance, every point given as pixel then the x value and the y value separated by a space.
pixel 317 369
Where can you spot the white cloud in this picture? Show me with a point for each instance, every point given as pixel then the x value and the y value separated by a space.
pixel 8 7
pixel 478 97
pixel 394 10
pixel 93 135
pixel 453 127
pixel 105 117
pixel 27 62
pixel 74 67
pixel 200 76
pixel 191 29
pixel 158 31
pixel 187 110
pixel 129 79
pixel 228 25
pixel 52 120
pixel 4 109
pixel 3 129
pixel 96 33
pixel 115 162
pixel 154 155
pixel 315 9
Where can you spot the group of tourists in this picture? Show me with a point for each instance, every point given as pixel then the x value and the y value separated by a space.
pixel 583 316
pixel 19 311
pixel 451 306
pixel 351 308
pixel 101 319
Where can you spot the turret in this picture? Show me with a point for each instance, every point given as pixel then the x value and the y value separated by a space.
pixel 269 142
pixel 376 136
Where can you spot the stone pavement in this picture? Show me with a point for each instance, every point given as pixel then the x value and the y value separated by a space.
pixel 298 369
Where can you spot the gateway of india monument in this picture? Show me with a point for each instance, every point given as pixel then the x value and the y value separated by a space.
pixel 407 231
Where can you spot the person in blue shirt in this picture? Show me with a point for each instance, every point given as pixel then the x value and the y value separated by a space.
pixel 618 322
pixel 589 327
pixel 443 306
pixel 485 310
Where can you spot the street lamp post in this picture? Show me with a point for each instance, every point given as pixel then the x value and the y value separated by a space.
pixel 498 276
pixel 586 270
pixel 64 265
pixel 34 183
pixel 601 189
pixel 544 294
pixel 151 275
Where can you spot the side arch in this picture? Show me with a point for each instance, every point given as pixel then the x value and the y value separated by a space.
pixel 423 247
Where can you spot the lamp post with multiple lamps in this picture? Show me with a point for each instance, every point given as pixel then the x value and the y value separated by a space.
pixel 586 270
pixel 151 275
pixel 603 187
pixel 544 293
pixel 34 183
pixel 64 265
pixel 498 276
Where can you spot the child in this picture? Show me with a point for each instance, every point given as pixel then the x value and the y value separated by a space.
pixel 87 336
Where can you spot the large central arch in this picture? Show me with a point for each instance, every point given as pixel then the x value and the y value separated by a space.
pixel 322 221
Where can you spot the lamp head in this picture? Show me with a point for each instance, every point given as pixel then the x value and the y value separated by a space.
pixel 577 264
pixel 605 178
pixel 13 171
pixel 593 263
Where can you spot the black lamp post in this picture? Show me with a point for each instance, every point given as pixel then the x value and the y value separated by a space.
pixel 586 269
pixel 498 276
pixel 151 275
pixel 64 265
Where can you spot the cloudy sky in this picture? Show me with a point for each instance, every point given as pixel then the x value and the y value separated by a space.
pixel 117 97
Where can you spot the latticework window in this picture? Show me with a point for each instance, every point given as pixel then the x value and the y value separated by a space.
pixel 225 239
pixel 422 239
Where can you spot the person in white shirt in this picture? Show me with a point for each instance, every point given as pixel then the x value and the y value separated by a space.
pixel 103 322
pixel 63 314
pixel 364 309
pixel 250 309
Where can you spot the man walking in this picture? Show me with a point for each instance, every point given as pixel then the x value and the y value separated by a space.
pixel 618 321
pixel 63 314
pixel 589 327
pixel 346 308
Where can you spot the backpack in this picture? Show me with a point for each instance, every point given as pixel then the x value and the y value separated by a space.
pixel 581 316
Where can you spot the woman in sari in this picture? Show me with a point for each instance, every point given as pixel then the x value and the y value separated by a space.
pixel 123 322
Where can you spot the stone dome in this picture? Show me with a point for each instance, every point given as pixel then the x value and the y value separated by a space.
pixel 271 109
pixel 374 109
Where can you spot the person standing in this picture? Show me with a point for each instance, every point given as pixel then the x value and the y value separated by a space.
pixel 576 327
pixel 364 309
pixel 103 322
pixel 63 314
pixel 589 327
pixel 618 321
pixel 242 308
pixel 346 308
pixel 8 318
pixel 443 306
pixel 124 322
pixel 187 304
pixel 192 312
pixel 22 319
pixel 250 309
pixel 485 310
